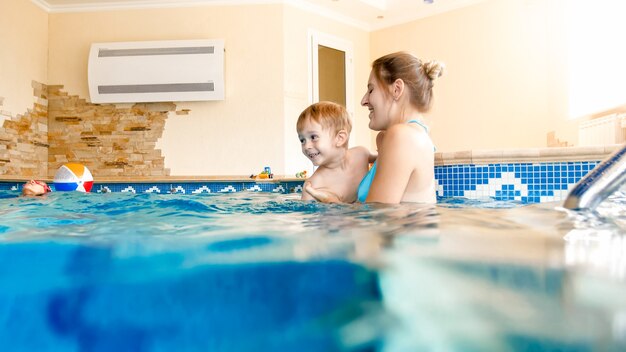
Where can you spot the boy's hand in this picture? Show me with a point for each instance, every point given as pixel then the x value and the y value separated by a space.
pixel 321 196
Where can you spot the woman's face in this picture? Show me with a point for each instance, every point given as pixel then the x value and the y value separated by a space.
pixel 377 102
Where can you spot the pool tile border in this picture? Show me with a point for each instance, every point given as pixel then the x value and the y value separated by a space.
pixel 526 182
pixel 183 187
pixel 200 187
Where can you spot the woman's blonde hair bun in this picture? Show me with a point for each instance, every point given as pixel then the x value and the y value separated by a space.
pixel 433 69
pixel 418 76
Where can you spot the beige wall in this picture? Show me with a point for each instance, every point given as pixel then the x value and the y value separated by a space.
pixel 505 84
pixel 236 136
pixel 266 80
pixel 23 54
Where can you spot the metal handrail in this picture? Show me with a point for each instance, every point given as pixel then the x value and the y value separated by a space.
pixel 599 183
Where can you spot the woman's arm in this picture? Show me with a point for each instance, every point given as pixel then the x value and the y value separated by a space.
pixel 398 156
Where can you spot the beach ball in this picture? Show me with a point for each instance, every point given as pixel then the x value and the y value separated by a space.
pixel 73 177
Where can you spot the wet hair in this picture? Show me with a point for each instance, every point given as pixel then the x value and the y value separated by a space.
pixel 331 116
pixel 418 76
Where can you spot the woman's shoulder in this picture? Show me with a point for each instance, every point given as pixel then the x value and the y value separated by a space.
pixel 407 142
pixel 406 127
pixel 406 134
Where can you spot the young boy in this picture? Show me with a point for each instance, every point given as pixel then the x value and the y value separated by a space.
pixel 324 130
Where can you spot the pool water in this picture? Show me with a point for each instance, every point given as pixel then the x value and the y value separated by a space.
pixel 253 271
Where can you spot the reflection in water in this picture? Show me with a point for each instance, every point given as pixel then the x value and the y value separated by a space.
pixel 254 271
pixel 597 249
pixel 450 306
pixel 597 239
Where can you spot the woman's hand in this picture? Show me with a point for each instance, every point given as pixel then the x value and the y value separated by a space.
pixel 321 196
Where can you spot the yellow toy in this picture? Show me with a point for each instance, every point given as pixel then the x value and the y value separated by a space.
pixel 301 174
pixel 265 174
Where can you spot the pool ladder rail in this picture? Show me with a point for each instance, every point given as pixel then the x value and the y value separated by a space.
pixel 599 183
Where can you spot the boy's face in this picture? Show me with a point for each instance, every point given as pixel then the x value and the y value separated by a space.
pixel 318 144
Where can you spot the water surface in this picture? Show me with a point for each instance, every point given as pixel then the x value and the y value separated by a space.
pixel 255 271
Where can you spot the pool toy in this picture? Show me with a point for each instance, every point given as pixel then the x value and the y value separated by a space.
pixel 301 174
pixel 266 173
pixel 73 177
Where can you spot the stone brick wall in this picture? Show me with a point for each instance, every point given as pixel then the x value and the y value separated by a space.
pixel 61 128
pixel 110 141
pixel 24 139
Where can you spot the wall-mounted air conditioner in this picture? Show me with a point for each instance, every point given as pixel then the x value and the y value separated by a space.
pixel 181 70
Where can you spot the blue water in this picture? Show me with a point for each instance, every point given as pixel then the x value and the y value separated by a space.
pixel 266 272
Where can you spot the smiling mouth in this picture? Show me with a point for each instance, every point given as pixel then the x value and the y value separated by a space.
pixel 313 155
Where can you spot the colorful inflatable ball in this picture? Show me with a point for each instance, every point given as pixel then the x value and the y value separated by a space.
pixel 73 177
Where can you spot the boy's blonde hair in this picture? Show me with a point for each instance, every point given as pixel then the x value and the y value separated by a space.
pixel 331 116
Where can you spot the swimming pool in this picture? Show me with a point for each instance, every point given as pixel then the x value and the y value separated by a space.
pixel 260 271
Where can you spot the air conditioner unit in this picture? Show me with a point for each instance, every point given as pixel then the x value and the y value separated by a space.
pixel 180 70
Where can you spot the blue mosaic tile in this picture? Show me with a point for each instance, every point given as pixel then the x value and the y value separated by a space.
pixel 10 186
pixel 200 187
pixel 526 182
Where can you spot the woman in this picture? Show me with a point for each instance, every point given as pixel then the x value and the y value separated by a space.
pixel 399 90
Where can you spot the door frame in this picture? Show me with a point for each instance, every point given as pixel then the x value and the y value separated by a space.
pixel 316 38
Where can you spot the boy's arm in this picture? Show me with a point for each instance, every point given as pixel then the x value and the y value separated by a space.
pixel 372 157
pixel 367 154
pixel 305 194
pixel 379 142
pixel 310 192
pixel 319 195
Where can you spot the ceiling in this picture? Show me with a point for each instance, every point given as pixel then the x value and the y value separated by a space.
pixel 364 14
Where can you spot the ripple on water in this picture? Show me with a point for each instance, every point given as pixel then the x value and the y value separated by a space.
pixel 480 275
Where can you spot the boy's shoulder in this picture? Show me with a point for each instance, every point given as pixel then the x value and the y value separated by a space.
pixel 360 157
pixel 359 150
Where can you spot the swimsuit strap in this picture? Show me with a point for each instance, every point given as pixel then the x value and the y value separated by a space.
pixel 424 127
pixel 421 124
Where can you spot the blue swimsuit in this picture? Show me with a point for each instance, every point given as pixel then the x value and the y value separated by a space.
pixel 366 182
